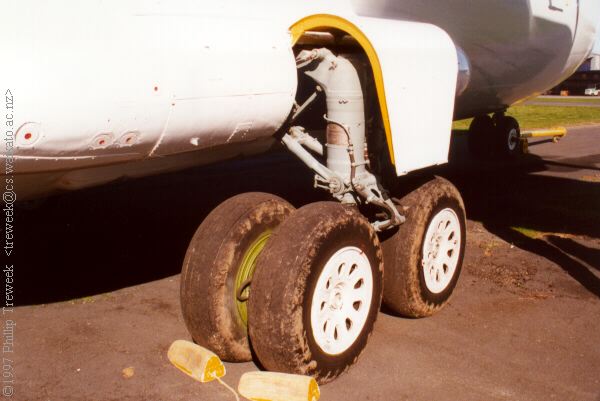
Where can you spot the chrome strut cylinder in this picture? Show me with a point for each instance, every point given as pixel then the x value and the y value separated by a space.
pixel 345 114
pixel 346 174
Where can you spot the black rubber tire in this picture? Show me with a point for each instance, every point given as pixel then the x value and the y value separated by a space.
pixel 283 285
pixel 211 265
pixel 480 136
pixel 506 127
pixel 404 289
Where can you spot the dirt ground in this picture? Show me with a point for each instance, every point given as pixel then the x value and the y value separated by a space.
pixel 96 278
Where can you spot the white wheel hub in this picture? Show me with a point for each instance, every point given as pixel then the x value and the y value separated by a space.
pixel 441 250
pixel 342 300
pixel 513 139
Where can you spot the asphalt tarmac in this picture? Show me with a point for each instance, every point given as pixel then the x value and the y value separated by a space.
pixel 97 278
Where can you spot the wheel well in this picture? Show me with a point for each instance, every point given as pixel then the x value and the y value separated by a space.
pixel 340 35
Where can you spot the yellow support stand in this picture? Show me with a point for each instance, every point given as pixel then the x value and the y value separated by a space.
pixel 195 361
pixel 556 133
pixel 272 386
pixel 204 366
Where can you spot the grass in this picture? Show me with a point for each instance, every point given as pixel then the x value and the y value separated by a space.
pixel 565 99
pixel 83 300
pixel 528 232
pixel 535 234
pixel 546 116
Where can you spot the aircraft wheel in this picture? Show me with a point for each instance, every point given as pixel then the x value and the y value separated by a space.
pixel 508 137
pixel 220 260
pixel 424 257
pixel 316 292
pixel 481 132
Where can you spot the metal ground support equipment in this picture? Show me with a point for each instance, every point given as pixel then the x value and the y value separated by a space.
pixel 555 134
pixel 346 175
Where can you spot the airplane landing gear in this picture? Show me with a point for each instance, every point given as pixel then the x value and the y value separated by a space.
pixel 498 136
pixel 302 288
pixel 480 131
pixel 218 268
pixel 507 136
pixel 423 258
pixel 316 292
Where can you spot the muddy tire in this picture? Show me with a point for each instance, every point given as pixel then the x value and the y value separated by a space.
pixel 480 136
pixel 316 292
pixel 220 257
pixel 423 259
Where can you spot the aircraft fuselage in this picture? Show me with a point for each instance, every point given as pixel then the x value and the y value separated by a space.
pixel 105 90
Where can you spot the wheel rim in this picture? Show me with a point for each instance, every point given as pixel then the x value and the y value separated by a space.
pixel 245 272
pixel 342 300
pixel 513 139
pixel 441 250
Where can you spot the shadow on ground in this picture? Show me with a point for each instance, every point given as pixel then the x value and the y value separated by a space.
pixel 551 216
pixel 102 239
pixel 99 240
